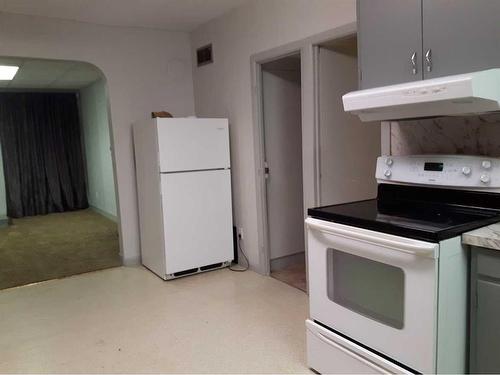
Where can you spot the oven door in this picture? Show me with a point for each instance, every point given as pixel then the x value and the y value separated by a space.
pixel 377 289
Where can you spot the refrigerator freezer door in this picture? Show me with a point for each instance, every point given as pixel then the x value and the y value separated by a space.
pixel 189 144
pixel 197 215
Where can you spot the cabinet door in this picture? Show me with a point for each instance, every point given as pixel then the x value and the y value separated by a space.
pixel 487 322
pixel 463 35
pixel 389 33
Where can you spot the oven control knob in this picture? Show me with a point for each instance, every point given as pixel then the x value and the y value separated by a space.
pixel 387 173
pixel 466 171
pixel 389 161
pixel 486 164
pixel 485 178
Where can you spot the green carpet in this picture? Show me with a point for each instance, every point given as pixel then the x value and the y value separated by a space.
pixel 47 247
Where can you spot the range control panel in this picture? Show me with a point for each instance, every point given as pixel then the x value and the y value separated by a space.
pixel 454 171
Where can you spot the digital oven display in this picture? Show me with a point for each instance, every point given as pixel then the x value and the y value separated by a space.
pixel 436 167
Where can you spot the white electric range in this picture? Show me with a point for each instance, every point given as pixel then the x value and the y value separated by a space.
pixel 388 277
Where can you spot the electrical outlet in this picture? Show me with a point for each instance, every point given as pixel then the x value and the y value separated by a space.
pixel 240 233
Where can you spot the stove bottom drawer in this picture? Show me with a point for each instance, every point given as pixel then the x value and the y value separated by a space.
pixel 329 353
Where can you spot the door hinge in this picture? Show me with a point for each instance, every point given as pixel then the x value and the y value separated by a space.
pixel 266 170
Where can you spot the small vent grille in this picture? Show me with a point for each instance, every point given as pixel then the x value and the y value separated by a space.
pixel 204 55
pixel 210 266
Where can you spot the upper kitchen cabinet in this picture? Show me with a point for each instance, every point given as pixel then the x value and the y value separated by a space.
pixel 389 41
pixel 460 36
pixel 446 37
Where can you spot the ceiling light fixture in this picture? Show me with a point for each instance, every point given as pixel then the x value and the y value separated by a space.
pixel 7 72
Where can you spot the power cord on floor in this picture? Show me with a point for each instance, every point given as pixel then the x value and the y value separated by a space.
pixel 244 256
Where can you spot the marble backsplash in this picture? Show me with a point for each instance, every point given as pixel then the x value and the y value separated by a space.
pixel 472 135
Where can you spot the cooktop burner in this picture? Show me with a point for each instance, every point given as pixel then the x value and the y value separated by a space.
pixel 428 214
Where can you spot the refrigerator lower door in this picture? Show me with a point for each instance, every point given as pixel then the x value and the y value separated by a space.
pixel 197 216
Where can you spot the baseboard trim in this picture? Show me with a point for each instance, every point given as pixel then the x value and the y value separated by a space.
pixel 132 261
pixel 4 221
pixel 104 213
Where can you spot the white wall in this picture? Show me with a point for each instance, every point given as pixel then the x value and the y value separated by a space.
pixel 146 70
pixel 348 147
pixel 281 93
pixel 97 143
pixel 224 88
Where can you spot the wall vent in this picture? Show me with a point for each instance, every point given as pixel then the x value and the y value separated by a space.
pixel 204 55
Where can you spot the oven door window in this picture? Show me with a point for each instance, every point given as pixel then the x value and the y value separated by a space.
pixel 367 287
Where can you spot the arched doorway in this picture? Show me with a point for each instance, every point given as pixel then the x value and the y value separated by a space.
pixel 58 206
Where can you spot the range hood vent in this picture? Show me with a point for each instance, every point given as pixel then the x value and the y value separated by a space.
pixel 457 95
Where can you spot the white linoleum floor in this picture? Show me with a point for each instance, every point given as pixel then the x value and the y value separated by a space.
pixel 128 320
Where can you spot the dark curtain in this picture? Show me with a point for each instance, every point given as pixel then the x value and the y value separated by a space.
pixel 42 153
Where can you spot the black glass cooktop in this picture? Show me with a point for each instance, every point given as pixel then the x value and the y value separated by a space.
pixel 421 213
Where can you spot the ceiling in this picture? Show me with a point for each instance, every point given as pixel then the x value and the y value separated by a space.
pixel 347 46
pixel 175 15
pixel 41 74
pixel 291 63
pixel 287 68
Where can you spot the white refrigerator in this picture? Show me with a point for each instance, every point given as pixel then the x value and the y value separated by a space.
pixel 184 193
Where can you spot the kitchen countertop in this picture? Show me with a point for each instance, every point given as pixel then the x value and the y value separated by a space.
pixel 488 237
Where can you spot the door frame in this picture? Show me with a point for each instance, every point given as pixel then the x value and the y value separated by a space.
pixel 308 49
pixel 260 152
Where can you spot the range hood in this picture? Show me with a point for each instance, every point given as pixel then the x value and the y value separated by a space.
pixel 462 94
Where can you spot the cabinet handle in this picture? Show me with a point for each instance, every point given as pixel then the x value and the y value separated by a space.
pixel 413 60
pixel 428 60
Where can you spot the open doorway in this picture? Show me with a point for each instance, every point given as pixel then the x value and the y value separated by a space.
pixel 58 214
pixel 339 151
pixel 282 130
pixel 348 148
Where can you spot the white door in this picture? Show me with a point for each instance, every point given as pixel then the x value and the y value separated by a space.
pixel 189 144
pixel 377 289
pixel 281 91
pixel 348 147
pixel 197 216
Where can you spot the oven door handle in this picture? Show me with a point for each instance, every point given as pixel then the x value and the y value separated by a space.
pixel 408 246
